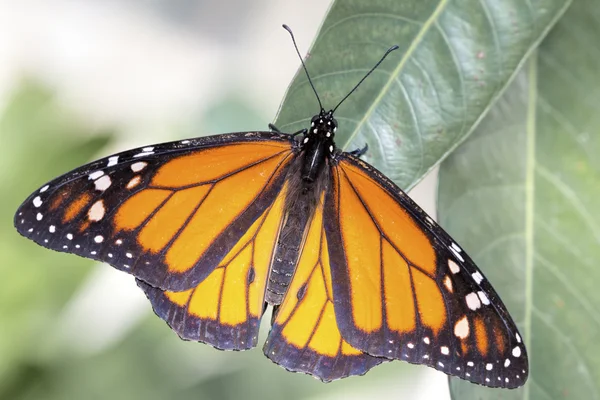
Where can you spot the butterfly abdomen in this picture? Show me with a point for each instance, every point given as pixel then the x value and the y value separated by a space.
pixel 286 255
pixel 301 202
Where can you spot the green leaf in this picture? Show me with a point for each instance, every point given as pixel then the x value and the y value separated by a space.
pixel 39 142
pixel 523 193
pixel 455 58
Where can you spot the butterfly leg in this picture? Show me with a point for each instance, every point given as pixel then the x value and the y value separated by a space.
pixel 360 152
pixel 276 130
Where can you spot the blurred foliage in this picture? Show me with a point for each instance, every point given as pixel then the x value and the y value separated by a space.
pixel 231 114
pixel 524 192
pixel 39 142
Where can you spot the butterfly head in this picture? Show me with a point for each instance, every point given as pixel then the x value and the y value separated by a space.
pixel 322 126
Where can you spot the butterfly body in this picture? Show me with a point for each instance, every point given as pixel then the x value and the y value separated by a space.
pixel 308 179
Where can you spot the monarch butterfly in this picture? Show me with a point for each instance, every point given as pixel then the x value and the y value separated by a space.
pixel 217 228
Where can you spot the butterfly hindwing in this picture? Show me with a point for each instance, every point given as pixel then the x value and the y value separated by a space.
pixel 167 213
pixel 224 310
pixel 304 336
pixel 402 289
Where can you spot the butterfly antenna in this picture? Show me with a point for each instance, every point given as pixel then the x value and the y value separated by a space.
pixel 287 28
pixel 368 73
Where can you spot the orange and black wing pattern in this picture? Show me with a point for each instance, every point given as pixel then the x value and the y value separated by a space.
pixel 225 309
pixel 305 335
pixel 169 213
pixel 403 289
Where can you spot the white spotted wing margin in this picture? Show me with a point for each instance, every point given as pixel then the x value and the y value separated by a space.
pixel 75 212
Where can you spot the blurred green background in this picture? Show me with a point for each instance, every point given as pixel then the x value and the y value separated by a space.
pixel 81 80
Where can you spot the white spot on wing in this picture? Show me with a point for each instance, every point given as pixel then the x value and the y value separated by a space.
pixel 95 175
pixel 103 183
pixel 516 352
pixel 455 247
pixel 52 228
pixel 42 190
pixel 489 366
pixel 410 346
pixel 185 141
pixel 461 328
pixel 454 268
pixel 477 276
pixel 457 254
pixel 506 363
pixel 470 364
pixel 39 216
pixel 445 351
pixel 70 236
pixel 143 153
pixel 37 201
pixel 518 338
pixel 138 166
pixel 96 211
pixel 426 340
pixel 472 301
pixel 483 297
pixel 99 239
pixel 112 161
pixel 128 255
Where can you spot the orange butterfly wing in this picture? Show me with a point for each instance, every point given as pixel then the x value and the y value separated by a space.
pixel 225 309
pixel 305 337
pixel 167 214
pixel 402 289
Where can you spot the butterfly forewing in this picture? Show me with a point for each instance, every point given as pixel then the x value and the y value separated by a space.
pixel 166 213
pixel 403 289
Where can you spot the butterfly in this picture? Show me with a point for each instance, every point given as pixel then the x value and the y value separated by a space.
pixel 215 229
